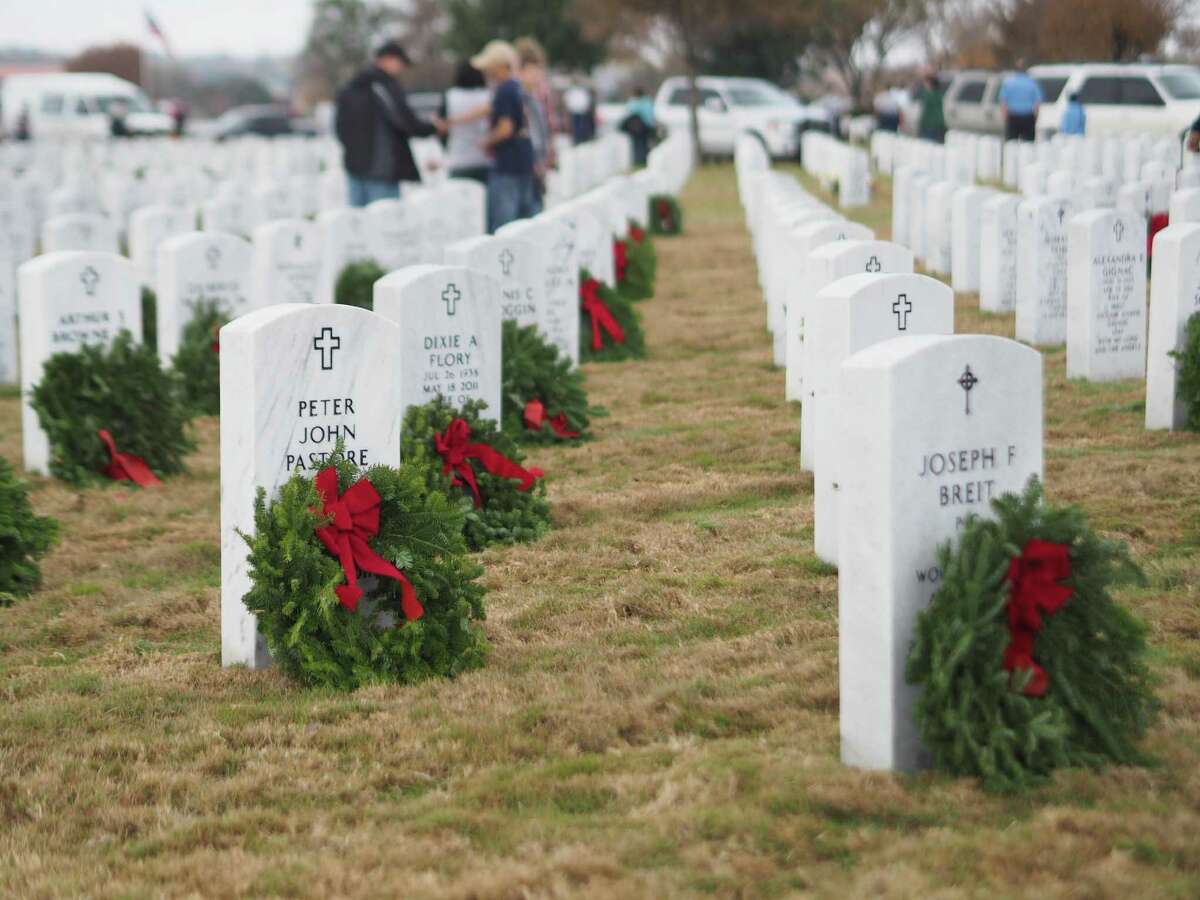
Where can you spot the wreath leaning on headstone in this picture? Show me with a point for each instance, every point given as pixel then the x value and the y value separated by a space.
pixel 480 467
pixel 665 215
pixel 356 284
pixel 197 362
pixel 636 264
pixel 97 400
pixel 24 537
pixel 417 618
pixel 1026 663
pixel 609 327
pixel 1187 359
pixel 544 400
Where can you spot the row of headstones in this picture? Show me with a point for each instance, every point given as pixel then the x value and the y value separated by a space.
pixel 968 158
pixel 293 260
pixel 1072 268
pixel 912 428
pixel 68 298
pixel 840 167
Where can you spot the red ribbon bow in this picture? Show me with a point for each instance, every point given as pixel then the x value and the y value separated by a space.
pixel 216 339
pixel 620 259
pixel 1034 576
pixel 454 448
pixel 602 317
pixel 1158 222
pixel 535 418
pixel 637 235
pixel 355 520
pixel 125 467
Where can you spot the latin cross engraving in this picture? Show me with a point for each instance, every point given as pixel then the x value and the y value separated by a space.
pixel 902 307
pixel 325 343
pixel 873 264
pixel 450 296
pixel 90 278
pixel 967 381
pixel 1061 214
pixel 213 255
pixel 297 240
pixel 506 261
pixel 1118 230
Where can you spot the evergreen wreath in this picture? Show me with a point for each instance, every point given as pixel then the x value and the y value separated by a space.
pixel 121 389
pixel 317 627
pixel 640 265
pixel 356 284
pixel 1025 661
pixel 620 328
pixel 1187 358
pixel 198 361
pixel 535 371
pixel 665 215
pixel 24 537
pixel 509 510
pixel 149 318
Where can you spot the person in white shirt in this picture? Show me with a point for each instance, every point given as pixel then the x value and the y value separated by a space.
pixel 578 101
pixel 467 106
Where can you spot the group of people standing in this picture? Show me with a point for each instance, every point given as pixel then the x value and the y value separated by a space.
pixel 498 122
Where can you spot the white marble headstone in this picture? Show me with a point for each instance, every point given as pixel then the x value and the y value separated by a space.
pixel 67 300
pixel 849 315
pixel 1106 296
pixel 295 378
pixel 449 320
pixel 8 321
pixel 345 239
pixel 966 237
pixel 1042 270
pixel 998 253
pixel 933 428
pixel 202 266
pixel 1174 298
pixel 286 263
pixel 79 231
pixel 560 305
pixel 149 226
pixel 396 233
pixel 518 267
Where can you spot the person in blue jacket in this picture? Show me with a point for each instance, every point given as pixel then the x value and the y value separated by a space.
pixel 1074 119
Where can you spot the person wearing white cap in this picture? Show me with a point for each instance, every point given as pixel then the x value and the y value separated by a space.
pixel 512 193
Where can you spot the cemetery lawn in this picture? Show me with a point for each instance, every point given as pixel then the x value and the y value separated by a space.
pixel 659 713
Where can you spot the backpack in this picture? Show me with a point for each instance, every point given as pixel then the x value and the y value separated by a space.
pixel 354 124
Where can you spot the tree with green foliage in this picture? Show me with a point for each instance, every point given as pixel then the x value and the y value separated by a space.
pixel 555 24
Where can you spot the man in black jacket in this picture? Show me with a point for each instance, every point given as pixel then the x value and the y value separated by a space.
pixel 374 124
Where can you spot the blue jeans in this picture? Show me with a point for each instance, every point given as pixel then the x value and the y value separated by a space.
pixel 368 190
pixel 510 197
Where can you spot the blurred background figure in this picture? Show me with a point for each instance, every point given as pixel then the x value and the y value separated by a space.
pixel 374 123
pixel 539 109
pixel 117 125
pixel 466 111
pixel 639 124
pixel 887 110
pixel 932 124
pixel 1020 97
pixel 1074 119
pixel 511 192
pixel 578 101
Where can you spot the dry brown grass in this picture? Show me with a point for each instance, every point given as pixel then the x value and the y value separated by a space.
pixel 659 715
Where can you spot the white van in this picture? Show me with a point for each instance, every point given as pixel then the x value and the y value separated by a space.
pixel 70 104
pixel 1138 98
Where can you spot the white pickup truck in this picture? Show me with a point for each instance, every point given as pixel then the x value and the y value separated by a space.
pixel 729 107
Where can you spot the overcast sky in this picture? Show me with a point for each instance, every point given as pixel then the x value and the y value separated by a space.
pixel 238 27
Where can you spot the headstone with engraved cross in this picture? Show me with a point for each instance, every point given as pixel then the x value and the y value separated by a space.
pixel 286 264
pixel 1042 269
pixel 195 268
pixel 518 266
pixel 1106 296
pixel 847 316
pixel 295 379
pixel 66 300
pixel 449 319
pixel 8 319
pixel 559 319
pixel 932 428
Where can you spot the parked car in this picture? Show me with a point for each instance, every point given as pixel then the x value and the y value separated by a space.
pixel 973 102
pixel 264 121
pixel 1138 98
pixel 729 107
pixel 77 104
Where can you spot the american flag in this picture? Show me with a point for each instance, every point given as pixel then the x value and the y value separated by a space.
pixel 152 24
